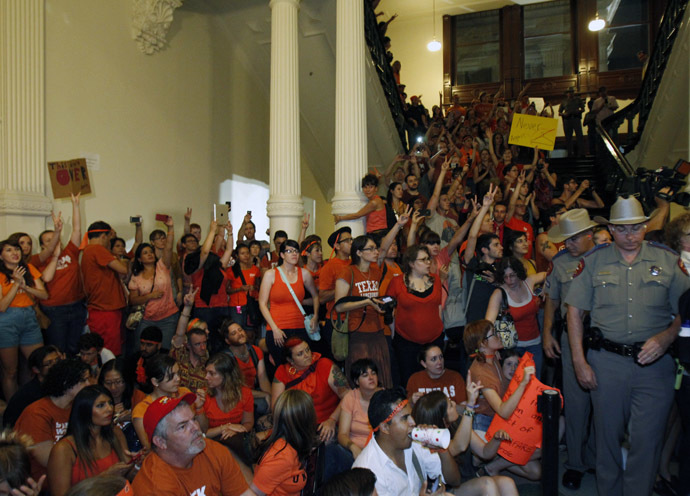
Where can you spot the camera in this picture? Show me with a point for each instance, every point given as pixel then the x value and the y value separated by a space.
pixel 646 184
pixel 388 304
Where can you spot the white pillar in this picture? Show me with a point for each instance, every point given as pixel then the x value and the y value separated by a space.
pixel 285 207
pixel 350 112
pixel 23 202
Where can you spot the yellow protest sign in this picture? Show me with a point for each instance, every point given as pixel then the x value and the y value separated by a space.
pixel 530 131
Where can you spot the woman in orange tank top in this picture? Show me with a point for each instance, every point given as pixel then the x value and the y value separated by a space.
pixel 283 317
pixel 92 446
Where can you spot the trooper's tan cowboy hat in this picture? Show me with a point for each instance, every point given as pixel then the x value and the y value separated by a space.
pixel 625 211
pixel 569 224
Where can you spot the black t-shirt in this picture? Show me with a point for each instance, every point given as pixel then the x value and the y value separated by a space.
pixel 27 394
pixel 478 288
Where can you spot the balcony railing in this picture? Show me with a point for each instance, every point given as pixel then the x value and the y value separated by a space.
pixel 374 41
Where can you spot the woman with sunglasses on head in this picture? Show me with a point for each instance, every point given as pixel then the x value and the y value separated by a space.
pixel 283 316
pixel 516 292
pixel 151 286
pixel 361 279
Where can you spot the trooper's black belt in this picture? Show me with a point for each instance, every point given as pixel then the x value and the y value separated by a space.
pixel 626 350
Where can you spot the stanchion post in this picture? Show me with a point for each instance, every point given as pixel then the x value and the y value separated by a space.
pixel 549 405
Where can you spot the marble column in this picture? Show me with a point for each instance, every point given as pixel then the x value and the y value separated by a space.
pixel 350 112
pixel 285 207
pixel 23 201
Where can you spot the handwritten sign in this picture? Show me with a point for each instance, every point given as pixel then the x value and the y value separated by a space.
pixel 531 131
pixel 525 424
pixel 69 177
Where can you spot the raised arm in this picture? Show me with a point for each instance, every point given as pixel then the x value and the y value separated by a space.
pixel 169 242
pixel 490 138
pixel 387 241
pixel 460 234
pixel 188 302
pixel 433 201
pixel 49 249
pixel 303 230
pixel 514 197
pixel 227 254
pixel 240 232
pixel 412 232
pixel 138 235
pixel 75 238
pixel 476 225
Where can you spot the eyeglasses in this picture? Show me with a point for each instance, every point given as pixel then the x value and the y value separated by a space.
pixel 291 251
pixel 345 240
pixel 370 248
pixel 423 260
pixel 628 229
pixel 118 382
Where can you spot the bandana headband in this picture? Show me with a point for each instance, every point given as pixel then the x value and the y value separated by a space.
pixel 395 411
pixel 85 238
pixel 305 252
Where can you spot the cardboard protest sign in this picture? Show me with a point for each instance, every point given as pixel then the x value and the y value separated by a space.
pixel 69 177
pixel 524 425
pixel 530 131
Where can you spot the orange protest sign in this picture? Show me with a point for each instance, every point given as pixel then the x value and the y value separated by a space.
pixel 69 177
pixel 524 425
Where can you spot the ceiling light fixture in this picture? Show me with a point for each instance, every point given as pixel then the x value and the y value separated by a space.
pixel 597 24
pixel 434 45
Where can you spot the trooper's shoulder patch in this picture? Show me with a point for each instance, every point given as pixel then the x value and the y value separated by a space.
pixel 580 268
pixel 682 267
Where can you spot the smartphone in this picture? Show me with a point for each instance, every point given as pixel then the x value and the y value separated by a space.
pixel 425 212
pixel 135 220
pixel 432 484
pixel 220 213
pixel 249 212
pixel 162 217
pixel 386 299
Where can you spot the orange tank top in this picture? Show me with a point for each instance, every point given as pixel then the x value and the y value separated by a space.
pixel 79 473
pixel 283 309
pixel 376 220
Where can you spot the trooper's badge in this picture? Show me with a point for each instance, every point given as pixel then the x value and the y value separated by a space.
pixel 654 270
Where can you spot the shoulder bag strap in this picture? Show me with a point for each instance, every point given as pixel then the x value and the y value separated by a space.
pixel 469 293
pixel 304 375
pixel 282 276
pixel 418 468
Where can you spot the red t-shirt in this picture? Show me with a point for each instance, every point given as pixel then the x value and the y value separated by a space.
pixel 328 275
pixel 417 319
pixel 285 312
pixel 315 384
pixel 279 471
pixel 101 284
pixel 367 285
pixel 251 275
pixel 66 287
pixel 219 299
pixel 217 417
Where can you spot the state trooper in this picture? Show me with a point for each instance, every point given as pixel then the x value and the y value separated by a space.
pixel 631 289
pixel 574 229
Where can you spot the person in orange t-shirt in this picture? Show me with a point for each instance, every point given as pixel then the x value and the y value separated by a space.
pixel 360 282
pixel 281 469
pixel 105 297
pixel 20 284
pixel 228 412
pixel 183 461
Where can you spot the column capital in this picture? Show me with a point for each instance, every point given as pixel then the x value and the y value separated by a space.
pixel 294 3
pixel 151 21
pixel 25 203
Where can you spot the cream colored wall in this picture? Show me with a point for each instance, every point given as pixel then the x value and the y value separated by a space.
pixel 421 70
pixel 169 127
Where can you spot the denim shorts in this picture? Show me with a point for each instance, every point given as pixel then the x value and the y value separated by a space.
pixel 19 327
